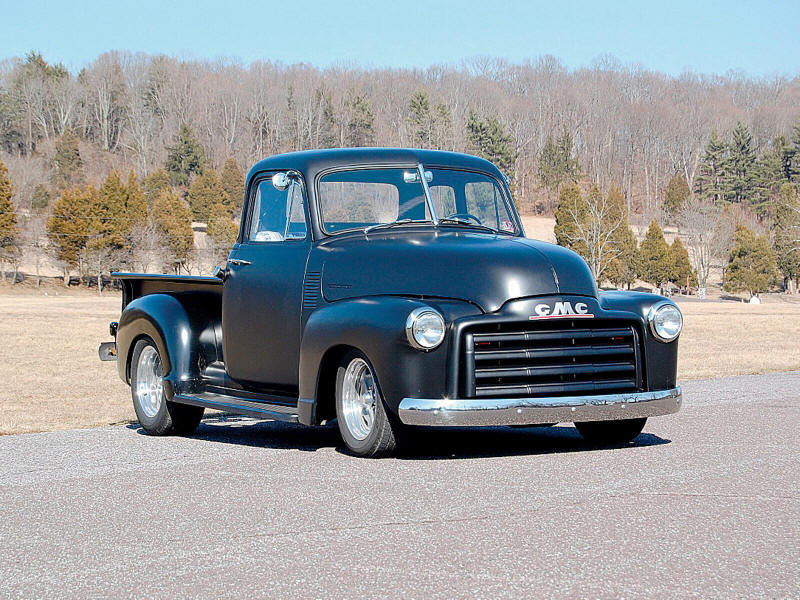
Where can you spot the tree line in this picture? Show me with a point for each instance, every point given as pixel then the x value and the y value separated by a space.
pixel 702 153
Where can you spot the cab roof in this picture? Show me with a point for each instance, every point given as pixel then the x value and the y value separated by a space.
pixel 311 162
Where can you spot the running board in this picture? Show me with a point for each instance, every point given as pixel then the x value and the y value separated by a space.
pixel 240 406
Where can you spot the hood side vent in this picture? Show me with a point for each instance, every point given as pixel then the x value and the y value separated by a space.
pixel 311 290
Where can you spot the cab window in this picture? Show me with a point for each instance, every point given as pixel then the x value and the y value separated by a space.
pixel 277 215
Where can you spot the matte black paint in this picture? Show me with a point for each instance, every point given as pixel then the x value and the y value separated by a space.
pixel 288 316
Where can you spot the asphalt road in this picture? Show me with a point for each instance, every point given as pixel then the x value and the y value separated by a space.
pixel 704 503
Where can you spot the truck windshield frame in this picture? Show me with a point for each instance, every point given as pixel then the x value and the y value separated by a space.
pixel 409 207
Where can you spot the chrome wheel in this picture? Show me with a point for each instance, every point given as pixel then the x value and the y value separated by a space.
pixel 149 382
pixel 359 399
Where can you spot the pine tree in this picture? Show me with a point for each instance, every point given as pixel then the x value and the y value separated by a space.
pixel 752 266
pixel 571 209
pixel 787 233
pixel 326 119
pixel 67 163
pixel 708 183
pixel 624 268
pixel 556 164
pixel 740 168
pixel 490 141
pixel 9 231
pixel 656 267
pixel 676 195
pixel 421 119
pixel 135 201
pixel 69 225
pixel 683 275
pixel 153 184
pixel 205 192
pixel 793 155
pixel 174 220
pixel 185 158
pixel 360 126
pixel 111 224
pixel 232 180
pixel 40 199
pixel 222 231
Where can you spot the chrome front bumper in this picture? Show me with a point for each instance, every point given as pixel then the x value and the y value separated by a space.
pixel 532 411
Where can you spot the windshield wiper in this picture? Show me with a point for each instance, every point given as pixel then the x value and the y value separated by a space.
pixel 467 223
pixel 392 224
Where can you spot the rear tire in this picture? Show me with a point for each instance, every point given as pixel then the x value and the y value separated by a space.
pixel 611 433
pixel 364 422
pixel 157 415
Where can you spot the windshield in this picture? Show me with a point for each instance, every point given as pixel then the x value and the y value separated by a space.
pixel 366 198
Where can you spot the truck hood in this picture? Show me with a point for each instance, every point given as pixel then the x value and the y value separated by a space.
pixel 487 270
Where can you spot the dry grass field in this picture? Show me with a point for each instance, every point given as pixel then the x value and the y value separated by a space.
pixel 52 379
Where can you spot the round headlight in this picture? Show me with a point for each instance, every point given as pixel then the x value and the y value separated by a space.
pixel 666 321
pixel 425 328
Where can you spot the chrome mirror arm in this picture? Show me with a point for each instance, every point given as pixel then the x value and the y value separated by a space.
pixel 427 189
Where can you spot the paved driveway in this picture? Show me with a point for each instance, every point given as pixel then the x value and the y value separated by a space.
pixel 704 503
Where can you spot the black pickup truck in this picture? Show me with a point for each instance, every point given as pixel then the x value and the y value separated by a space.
pixel 392 289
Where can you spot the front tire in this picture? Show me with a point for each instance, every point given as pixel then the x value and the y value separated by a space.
pixel 611 433
pixel 157 415
pixel 364 422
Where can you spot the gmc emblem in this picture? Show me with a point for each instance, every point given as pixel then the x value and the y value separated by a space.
pixel 561 310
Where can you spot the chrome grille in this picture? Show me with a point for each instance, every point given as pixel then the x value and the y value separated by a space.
pixel 558 357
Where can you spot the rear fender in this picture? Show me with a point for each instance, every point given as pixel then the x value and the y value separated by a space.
pixel 183 328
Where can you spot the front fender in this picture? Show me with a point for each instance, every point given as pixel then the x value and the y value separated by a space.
pixel 376 327
pixel 661 359
pixel 182 328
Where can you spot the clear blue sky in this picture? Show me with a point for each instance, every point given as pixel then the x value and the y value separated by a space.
pixel 760 38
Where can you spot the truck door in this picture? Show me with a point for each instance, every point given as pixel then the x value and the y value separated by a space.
pixel 262 294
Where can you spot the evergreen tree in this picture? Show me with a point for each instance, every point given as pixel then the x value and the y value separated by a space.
pixel 185 158
pixel 556 164
pixel 232 180
pixel 709 180
pixel 751 265
pixel 135 201
pixel 153 184
pixel 67 163
pixel 740 168
pixel 205 192
pixel 9 231
pixel 489 140
pixel 624 267
pixel 111 224
pixel 222 231
pixel 421 119
pixel 787 233
pixel 69 225
pixel 174 220
pixel 793 155
pixel 676 195
pixel 570 210
pixel 40 199
pixel 683 275
pixel 326 120
pixel 360 125
pixel 656 266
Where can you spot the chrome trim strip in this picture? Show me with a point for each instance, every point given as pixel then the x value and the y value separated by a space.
pixel 470 412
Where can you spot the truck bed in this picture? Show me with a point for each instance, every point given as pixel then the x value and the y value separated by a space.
pixel 135 285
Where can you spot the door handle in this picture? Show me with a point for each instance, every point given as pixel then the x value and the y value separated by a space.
pixel 239 261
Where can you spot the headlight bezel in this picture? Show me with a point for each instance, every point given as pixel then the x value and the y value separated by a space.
pixel 651 319
pixel 414 318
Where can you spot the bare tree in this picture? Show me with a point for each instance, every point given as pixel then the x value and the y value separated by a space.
pixel 708 231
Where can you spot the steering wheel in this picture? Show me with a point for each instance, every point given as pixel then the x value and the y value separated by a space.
pixel 464 216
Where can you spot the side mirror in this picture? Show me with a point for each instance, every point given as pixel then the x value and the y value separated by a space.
pixel 220 272
pixel 281 181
